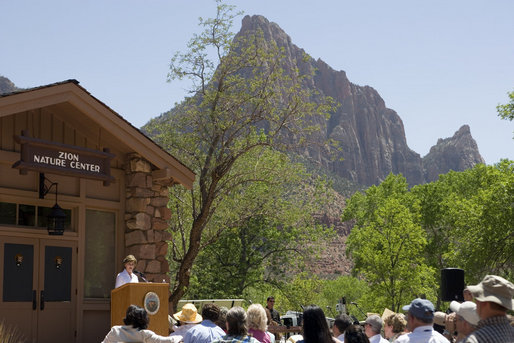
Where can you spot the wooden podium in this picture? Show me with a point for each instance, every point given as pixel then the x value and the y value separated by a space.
pixel 137 294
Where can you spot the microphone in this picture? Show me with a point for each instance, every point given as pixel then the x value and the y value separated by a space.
pixel 141 275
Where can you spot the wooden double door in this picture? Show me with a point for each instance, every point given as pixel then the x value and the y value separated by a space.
pixel 38 287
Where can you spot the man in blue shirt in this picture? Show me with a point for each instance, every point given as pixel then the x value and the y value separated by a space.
pixel 206 331
pixel 420 320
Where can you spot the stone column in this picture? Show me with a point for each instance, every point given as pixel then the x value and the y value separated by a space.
pixel 146 219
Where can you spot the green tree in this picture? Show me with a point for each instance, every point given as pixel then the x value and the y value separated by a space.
pixel 243 104
pixel 468 217
pixel 387 244
pixel 507 111
pixel 275 232
pixel 349 287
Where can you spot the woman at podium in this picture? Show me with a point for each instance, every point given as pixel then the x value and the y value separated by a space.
pixel 127 275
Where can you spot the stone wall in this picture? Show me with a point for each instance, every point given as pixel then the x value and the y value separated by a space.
pixel 146 219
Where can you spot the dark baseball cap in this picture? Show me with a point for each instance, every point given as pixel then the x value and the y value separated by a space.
pixel 421 308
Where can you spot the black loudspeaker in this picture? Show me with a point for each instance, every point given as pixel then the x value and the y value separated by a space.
pixel 452 284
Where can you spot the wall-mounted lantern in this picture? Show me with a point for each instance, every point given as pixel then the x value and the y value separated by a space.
pixel 57 217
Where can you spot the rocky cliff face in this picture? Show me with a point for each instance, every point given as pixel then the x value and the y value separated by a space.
pixel 6 86
pixel 459 152
pixel 372 136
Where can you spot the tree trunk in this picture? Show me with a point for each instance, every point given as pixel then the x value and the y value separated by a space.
pixel 195 238
pixel 184 272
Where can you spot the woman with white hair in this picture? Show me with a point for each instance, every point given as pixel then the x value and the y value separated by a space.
pixel 237 331
pixel 257 323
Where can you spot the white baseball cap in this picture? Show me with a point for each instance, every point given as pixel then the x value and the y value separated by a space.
pixel 467 310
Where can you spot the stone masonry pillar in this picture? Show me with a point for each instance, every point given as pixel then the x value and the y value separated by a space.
pixel 146 219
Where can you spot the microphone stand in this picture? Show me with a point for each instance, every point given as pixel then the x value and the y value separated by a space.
pixel 141 275
pixel 354 303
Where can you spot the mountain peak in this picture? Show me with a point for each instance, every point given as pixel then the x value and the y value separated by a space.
pixel 371 136
pixel 459 152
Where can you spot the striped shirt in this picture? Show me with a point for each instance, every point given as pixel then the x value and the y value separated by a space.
pixel 492 330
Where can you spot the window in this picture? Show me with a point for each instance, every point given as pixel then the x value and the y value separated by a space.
pixel 7 213
pixel 30 215
pixel 100 255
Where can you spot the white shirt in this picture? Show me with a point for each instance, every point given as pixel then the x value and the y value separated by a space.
pixel 124 278
pixel 179 331
pixel 423 334
pixel 127 333
pixel 341 337
pixel 377 339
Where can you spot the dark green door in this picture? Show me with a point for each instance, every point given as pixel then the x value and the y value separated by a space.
pixel 38 287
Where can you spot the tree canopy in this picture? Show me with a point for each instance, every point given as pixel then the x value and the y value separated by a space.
pixel 243 106
pixel 468 217
pixel 387 243
pixel 402 237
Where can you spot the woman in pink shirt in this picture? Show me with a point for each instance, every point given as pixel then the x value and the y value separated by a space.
pixel 257 320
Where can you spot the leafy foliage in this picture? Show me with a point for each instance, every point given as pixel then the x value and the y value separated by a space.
pixel 243 106
pixel 275 230
pixel 507 111
pixel 387 243
pixel 401 236
pixel 469 220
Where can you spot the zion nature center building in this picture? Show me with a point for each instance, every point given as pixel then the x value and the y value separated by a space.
pixel 80 188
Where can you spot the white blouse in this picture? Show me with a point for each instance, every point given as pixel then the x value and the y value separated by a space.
pixel 124 278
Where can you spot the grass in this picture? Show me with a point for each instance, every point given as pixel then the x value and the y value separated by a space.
pixel 10 333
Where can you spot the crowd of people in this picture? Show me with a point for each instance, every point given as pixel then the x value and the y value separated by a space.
pixel 482 318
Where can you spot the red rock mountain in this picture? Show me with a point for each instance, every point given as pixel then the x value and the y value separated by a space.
pixel 372 136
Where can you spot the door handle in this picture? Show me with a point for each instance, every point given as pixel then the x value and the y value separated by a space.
pixel 42 301
pixel 34 300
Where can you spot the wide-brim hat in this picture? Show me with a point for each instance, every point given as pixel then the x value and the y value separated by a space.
pixel 188 314
pixel 494 289
pixel 467 310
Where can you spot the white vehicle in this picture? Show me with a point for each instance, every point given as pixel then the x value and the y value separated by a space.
pixel 294 318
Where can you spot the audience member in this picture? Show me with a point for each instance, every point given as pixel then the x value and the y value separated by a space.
pixel 420 320
pixel 207 331
pixel 236 328
pixel 373 327
pixel 222 320
pixel 341 323
pixel 355 334
pixel 315 328
pixel 257 323
pixel 394 326
pixel 493 297
pixel 135 329
pixel 187 318
pixel 466 318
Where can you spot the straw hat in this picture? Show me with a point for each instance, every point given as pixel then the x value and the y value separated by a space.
pixel 188 314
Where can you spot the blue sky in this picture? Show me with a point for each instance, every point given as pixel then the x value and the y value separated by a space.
pixel 438 64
